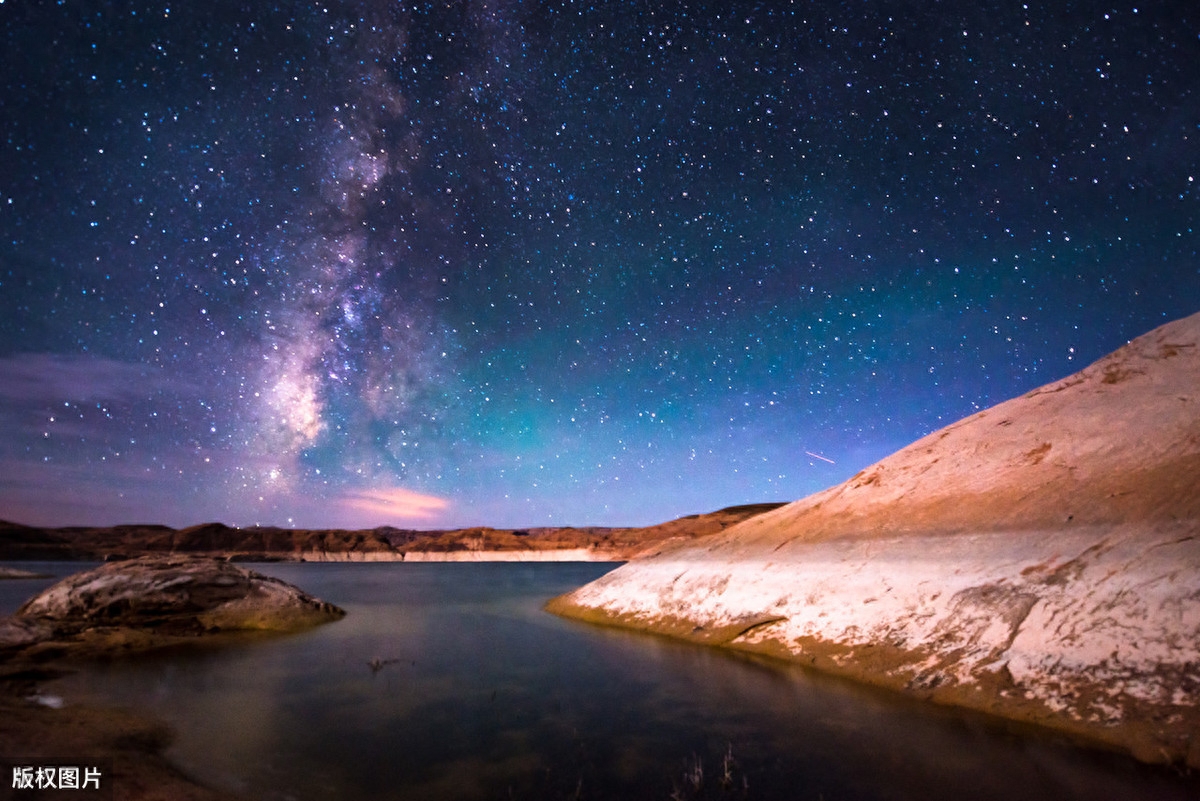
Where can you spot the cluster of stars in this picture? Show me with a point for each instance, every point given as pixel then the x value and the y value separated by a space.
pixel 562 263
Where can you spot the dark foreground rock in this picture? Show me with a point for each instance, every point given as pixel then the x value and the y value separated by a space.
pixel 158 600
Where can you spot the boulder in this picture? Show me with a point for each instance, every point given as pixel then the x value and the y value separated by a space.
pixel 17 633
pixel 155 599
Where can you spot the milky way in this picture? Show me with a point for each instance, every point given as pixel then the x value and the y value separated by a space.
pixel 529 263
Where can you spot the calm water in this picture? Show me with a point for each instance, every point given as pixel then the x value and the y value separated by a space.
pixel 491 698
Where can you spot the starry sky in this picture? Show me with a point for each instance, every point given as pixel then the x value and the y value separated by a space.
pixel 558 263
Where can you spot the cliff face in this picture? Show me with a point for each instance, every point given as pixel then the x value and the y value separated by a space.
pixel 1039 560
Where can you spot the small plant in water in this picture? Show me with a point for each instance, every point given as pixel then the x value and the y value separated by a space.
pixel 727 768
pixel 694 773
pixel 730 782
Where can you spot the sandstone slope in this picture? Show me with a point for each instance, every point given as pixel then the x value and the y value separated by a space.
pixel 1039 560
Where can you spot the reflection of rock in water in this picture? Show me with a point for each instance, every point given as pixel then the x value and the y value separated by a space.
pixel 156 599
pixel 14 573
pixel 1039 560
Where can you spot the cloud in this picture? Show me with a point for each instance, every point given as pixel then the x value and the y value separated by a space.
pixel 396 503
pixel 84 493
pixel 42 377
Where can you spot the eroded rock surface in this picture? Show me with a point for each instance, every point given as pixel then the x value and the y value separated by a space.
pixel 1038 560
pixel 143 601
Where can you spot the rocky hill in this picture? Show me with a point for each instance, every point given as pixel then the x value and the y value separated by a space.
pixel 1039 560
pixel 381 544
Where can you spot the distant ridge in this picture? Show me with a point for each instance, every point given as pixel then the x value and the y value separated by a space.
pixel 1038 560
pixel 18 542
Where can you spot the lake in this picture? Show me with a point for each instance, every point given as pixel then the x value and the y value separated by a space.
pixel 485 696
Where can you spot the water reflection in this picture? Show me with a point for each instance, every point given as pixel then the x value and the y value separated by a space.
pixel 488 697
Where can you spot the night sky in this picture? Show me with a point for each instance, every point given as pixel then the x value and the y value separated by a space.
pixel 518 263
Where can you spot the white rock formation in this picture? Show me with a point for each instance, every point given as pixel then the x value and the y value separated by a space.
pixel 542 555
pixel 1038 560
pixel 545 555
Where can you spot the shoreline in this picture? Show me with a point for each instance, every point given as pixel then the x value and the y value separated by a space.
pixel 827 659
pixel 996 623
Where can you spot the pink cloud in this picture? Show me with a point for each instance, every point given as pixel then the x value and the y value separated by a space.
pixel 396 502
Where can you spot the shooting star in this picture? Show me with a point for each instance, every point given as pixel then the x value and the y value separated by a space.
pixel 818 456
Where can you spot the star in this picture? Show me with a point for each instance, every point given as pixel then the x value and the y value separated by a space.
pixel 513 265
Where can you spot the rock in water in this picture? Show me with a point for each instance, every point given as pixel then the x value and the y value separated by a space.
pixel 1039 560
pixel 14 573
pixel 170 596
